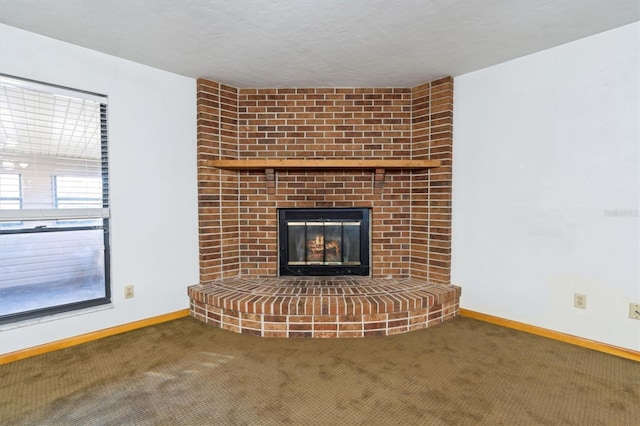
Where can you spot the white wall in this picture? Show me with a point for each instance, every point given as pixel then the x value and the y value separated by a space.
pixel 153 186
pixel 547 185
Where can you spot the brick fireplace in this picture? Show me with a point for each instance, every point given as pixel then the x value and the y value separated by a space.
pixel 410 208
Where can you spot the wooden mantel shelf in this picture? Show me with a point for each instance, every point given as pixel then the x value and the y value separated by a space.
pixel 270 165
pixel 276 164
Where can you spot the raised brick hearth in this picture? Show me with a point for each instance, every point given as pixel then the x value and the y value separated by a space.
pixel 323 307
pixel 410 208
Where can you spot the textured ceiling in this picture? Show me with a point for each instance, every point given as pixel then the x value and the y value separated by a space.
pixel 318 43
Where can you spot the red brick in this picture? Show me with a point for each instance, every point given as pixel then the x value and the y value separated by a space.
pixel 335 123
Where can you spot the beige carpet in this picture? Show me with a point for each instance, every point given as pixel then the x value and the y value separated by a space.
pixel 463 372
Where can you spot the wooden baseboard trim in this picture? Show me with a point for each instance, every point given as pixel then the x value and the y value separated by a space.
pixel 532 329
pixel 556 335
pixel 95 335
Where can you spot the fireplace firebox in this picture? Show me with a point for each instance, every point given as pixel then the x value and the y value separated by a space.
pixel 320 242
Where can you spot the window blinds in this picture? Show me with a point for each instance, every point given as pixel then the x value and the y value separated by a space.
pixel 54 140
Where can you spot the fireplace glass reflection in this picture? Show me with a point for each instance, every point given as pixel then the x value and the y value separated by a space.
pixel 324 243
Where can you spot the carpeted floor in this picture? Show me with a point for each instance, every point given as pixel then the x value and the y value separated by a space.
pixel 463 372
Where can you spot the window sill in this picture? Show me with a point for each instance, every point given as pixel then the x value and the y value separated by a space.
pixel 55 317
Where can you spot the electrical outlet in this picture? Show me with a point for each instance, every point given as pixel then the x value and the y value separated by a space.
pixel 128 292
pixel 580 300
pixel 634 311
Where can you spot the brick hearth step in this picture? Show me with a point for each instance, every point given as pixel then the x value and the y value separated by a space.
pixel 323 306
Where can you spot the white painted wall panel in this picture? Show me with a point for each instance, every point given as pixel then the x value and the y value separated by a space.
pixel 547 188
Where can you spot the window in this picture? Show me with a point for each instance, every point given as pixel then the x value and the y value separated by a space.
pixel 10 195
pixel 54 211
pixel 75 192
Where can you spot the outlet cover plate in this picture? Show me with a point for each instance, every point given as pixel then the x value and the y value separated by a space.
pixel 128 292
pixel 580 301
pixel 634 311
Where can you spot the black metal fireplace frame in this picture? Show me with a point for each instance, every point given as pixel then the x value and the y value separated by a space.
pixel 323 215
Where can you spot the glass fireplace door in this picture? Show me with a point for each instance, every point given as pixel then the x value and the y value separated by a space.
pixel 327 244
pixel 324 243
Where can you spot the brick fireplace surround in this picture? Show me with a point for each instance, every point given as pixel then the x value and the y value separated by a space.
pixel 409 287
